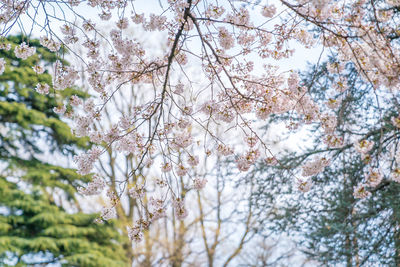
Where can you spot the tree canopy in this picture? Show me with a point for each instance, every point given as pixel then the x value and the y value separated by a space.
pixel 39 222
pixel 198 80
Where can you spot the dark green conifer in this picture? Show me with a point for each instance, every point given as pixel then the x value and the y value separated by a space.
pixel 332 226
pixel 40 221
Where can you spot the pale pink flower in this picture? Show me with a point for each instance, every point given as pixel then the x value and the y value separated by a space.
pixel 43 89
pixel 157 208
pixel 95 187
pixel 395 175
pixel 166 167
pixel 86 160
pixel 271 161
pixel 64 76
pixel 328 123
pixel 187 110
pixel 122 23
pixel 69 32
pixel 214 11
pixel 333 141
pixel 135 233
pixel 341 85
pixel 199 184
pixel 193 160
pixel 50 44
pixel 181 140
pixel 60 109
pixel 304 185
pixel 225 38
pixel 225 115
pixel 138 18
pixel 4 46
pixel 209 107
pixel 223 150
pixel 373 177
pixel 23 51
pixel 183 123
pixel 136 192
pixel 88 25
pixel 243 164
pixel 251 141
pixel 316 166
pixel 75 100
pixel 396 121
pixel 263 111
pixel 333 103
pixel 180 210
pixel 38 69
pixel 363 146
pixel 82 127
pixel 268 11
pixel 108 213
pixel 181 170
pixel 360 191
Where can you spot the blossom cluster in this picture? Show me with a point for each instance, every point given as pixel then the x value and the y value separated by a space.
pixel 24 51
pixel 314 167
pixel 95 187
pixel 85 161
pixel 231 94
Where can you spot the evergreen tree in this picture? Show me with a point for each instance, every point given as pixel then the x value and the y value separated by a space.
pixel 35 226
pixel 333 226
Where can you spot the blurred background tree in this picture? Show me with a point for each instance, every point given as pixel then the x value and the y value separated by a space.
pixel 333 226
pixel 220 229
pixel 40 218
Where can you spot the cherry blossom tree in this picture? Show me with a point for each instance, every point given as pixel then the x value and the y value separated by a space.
pixel 199 238
pixel 217 77
pixel 350 218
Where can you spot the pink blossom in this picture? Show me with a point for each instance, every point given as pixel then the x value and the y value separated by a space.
pixel 396 121
pixel 44 89
pixel 333 141
pixel 95 187
pixel 50 44
pixel 181 170
pixel 316 166
pixel 223 150
pixel 304 185
pixel 360 191
pixel 199 184
pixel 363 146
pixel 333 103
pixel 136 192
pixel 86 160
pixel 225 38
pixel 271 161
pixel 75 101
pixel 374 177
pixel 180 210
pixel 395 175
pixel 193 160
pixel 60 109
pixel 23 51
pixel 268 11
pixel 135 234
pixel 166 167
pixel 108 213
pixel 38 69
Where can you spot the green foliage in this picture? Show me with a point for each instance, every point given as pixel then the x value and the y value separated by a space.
pixel 33 228
pixel 34 224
